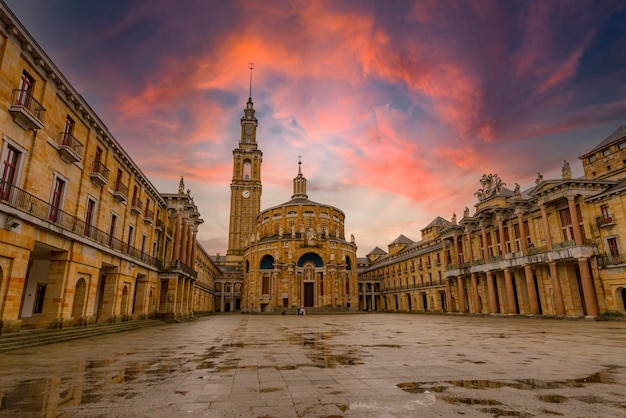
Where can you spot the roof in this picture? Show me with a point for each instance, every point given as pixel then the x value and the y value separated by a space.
pixel 377 250
pixel 618 134
pixel 438 221
pixel 402 240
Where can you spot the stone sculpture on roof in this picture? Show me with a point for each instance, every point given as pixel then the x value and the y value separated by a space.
pixel 492 185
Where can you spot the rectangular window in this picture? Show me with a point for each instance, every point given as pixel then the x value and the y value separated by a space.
pixel 613 250
pixel 266 285
pixel 131 232
pixel 68 132
pixel 144 238
pixel 9 173
pixel 91 206
pixel 606 152
pixel 112 228
pixel 57 200
pixel 155 247
pixel 606 214
pixel 26 89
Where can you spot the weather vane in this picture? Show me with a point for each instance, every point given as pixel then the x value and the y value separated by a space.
pixel 251 68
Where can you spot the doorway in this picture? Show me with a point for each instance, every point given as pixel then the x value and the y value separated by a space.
pixel 308 294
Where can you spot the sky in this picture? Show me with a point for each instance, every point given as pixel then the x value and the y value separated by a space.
pixel 396 107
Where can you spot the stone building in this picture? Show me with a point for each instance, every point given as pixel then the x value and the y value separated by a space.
pixel 291 255
pixel 85 237
pixel 552 249
pixel 298 257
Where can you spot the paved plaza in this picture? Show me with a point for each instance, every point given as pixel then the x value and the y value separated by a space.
pixel 353 365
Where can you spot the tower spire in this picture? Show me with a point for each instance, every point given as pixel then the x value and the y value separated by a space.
pixel 299 183
pixel 251 68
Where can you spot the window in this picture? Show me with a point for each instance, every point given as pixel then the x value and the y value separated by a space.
pixel 91 205
pixel 155 248
pixel 68 132
pixel 606 214
pixel 112 228
pixel 57 199
pixel 118 180
pixel 606 152
pixel 131 233
pixel 26 89
pixel 592 158
pixel 622 145
pixel 9 173
pixel 247 170
pixel 613 250
pixel 144 238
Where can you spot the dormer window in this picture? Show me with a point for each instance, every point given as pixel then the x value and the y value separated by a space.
pixel 592 158
pixel 606 152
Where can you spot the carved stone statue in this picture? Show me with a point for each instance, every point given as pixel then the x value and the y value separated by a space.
pixel 517 192
pixel 491 186
pixel 453 219
pixel 310 237
pixel 181 186
pixel 352 238
pixel 566 171
pixel 466 212
pixel 539 178
pixel 293 231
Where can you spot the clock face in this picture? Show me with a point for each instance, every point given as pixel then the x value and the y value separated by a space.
pixel 246 193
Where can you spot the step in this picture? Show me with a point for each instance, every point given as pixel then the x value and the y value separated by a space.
pixel 33 338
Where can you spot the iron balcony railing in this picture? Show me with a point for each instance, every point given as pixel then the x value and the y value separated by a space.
pixel 120 187
pixel 66 139
pixel 23 98
pixel 179 265
pixel 98 167
pixel 21 200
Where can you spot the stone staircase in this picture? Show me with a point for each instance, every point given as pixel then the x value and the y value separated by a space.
pixel 37 337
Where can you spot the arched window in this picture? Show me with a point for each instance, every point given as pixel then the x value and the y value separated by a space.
pixel 247 170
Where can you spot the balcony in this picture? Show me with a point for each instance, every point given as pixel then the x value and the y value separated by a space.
pixel 70 148
pixel 611 260
pixel 605 221
pixel 120 192
pixel 27 112
pixel 148 217
pixel 177 266
pixel 52 216
pixel 159 225
pixel 136 206
pixel 564 244
pixel 99 174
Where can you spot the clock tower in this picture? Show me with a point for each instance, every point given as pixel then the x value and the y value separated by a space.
pixel 245 187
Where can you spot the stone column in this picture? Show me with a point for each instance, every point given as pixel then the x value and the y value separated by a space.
pixel 222 302
pixel 491 290
pixel 578 236
pixel 559 305
pixel 510 294
pixel 177 235
pixel 363 298
pixel 591 302
pixel 183 243
pixel 475 296
pixel 522 232
pixel 190 235
pixel 532 292
pixel 461 291
pixel 500 220
pixel 483 232
pixel 546 226
pixel 373 298
pixel 192 262
pixel 232 297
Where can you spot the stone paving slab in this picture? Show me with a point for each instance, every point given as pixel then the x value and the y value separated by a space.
pixel 367 365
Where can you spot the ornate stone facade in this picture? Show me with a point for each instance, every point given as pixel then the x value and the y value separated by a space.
pixel 85 237
pixel 299 257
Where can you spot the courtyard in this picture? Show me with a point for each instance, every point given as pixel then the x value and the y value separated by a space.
pixel 353 365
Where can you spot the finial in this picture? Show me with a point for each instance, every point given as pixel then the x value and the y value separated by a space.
pixel 300 164
pixel 251 68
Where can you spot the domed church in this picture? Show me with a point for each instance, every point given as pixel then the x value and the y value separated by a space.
pixel 289 256
pixel 298 256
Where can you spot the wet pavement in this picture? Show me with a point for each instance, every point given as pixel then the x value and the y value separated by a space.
pixel 361 365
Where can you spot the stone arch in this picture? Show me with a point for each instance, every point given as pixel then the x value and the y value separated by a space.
pixel 78 305
pixel 267 262
pixel 348 263
pixel 313 257
pixel 124 304
pixel 246 170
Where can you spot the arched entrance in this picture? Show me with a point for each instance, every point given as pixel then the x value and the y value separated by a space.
pixel 78 305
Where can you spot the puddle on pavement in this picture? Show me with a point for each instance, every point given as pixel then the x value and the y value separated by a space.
pixel 522 384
